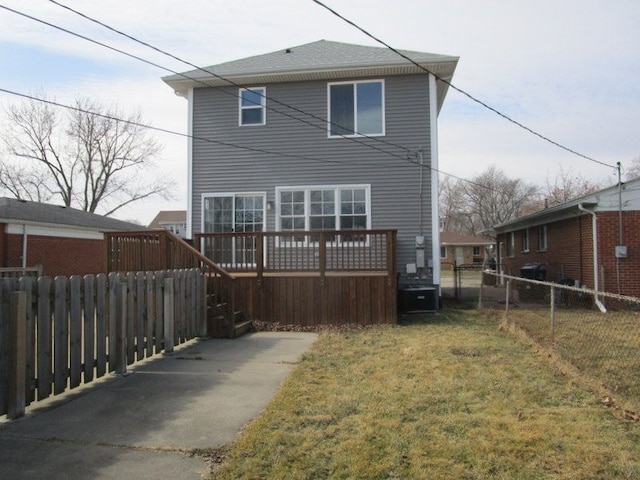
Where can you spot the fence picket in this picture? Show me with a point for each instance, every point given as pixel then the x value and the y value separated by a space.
pixel 140 316
pixel 159 300
pixel 61 332
pixel 113 315
pixel 75 330
pixel 4 345
pixel 27 284
pixel 150 313
pixel 130 319
pixel 89 327
pixel 101 324
pixel 45 344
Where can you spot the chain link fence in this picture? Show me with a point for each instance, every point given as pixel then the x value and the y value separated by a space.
pixel 598 333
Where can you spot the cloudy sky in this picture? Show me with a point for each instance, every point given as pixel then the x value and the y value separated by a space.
pixel 570 70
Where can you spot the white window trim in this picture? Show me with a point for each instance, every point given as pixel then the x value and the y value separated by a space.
pixel 543 234
pixel 262 106
pixel 354 82
pixel 443 248
pixel 528 246
pixel 511 244
pixel 307 214
pixel 233 194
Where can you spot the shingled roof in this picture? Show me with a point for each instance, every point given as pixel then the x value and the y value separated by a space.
pixel 320 60
pixel 21 211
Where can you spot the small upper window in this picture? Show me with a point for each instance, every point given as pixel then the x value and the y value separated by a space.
pixel 252 106
pixel 443 251
pixel 356 108
pixel 525 240
pixel 542 238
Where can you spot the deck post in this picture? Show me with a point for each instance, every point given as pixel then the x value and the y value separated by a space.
pixel 259 256
pixel 391 257
pixel 322 257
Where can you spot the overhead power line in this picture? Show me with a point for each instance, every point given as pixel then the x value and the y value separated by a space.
pixel 208 71
pixel 459 90
pixel 405 158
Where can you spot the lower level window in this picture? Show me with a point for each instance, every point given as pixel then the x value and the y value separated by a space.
pixel 323 208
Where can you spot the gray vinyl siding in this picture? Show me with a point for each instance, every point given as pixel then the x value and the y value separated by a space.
pixel 327 161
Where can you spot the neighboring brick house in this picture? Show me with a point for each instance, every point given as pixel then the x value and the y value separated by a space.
pixel 459 249
pixel 64 241
pixel 561 239
pixel 173 220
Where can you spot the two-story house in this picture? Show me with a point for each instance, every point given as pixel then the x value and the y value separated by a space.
pixel 325 136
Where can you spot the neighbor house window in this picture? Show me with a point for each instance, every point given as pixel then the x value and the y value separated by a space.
pixel 525 240
pixel 511 244
pixel 323 208
pixel 252 106
pixel 443 251
pixel 542 238
pixel 356 108
pixel 476 251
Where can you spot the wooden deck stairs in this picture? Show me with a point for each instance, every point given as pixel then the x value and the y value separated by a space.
pixel 162 250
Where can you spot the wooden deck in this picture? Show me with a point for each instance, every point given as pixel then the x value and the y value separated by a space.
pixel 290 278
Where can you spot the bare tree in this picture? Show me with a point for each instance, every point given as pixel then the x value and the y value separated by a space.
pixel 634 169
pixel 566 186
pixel 492 198
pixel 92 157
pixel 452 216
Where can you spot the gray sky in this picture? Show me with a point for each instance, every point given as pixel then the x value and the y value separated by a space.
pixel 567 69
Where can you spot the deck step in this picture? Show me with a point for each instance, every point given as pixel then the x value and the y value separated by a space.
pixel 242 328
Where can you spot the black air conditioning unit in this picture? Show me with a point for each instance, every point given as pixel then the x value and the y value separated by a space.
pixel 418 299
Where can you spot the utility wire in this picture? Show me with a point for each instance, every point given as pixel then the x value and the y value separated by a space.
pixel 148 62
pixel 185 135
pixel 218 142
pixel 230 82
pixel 163 130
pixel 459 90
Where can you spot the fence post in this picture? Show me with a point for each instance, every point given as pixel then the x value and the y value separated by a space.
pixel 553 316
pixel 121 326
pixel 169 315
pixel 506 301
pixel 18 354
pixel 481 289
pixel 202 303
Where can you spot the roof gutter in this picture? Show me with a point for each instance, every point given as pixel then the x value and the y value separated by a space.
pixel 594 230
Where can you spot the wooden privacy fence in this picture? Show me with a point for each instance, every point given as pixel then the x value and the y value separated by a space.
pixel 56 334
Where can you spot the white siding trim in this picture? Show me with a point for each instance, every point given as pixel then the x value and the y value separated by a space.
pixel 435 187
pixel 189 232
pixel 53 231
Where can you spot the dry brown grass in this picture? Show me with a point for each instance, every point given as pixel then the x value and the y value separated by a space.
pixel 449 397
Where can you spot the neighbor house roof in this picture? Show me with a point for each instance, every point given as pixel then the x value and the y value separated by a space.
pixel 168 217
pixel 612 198
pixel 320 60
pixel 451 238
pixel 21 211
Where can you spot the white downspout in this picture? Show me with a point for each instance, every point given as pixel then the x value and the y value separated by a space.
pixel 594 229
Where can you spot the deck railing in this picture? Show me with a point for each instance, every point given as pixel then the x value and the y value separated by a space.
pixel 305 251
pixel 153 250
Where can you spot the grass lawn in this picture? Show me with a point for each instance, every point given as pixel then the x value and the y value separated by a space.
pixel 448 398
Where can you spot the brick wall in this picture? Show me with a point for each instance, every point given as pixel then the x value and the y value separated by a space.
pixel 57 255
pixel 569 251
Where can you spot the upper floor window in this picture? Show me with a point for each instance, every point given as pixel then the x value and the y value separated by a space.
pixel 252 106
pixel 356 108
pixel 542 238
pixel 511 244
pixel 525 240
